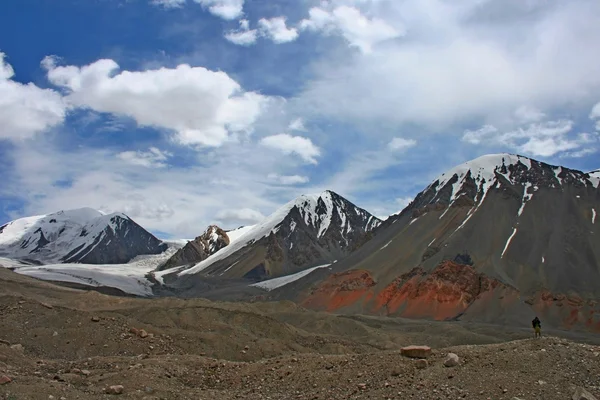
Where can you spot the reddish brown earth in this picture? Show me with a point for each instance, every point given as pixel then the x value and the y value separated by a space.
pixel 443 294
pixel 341 290
pixel 571 310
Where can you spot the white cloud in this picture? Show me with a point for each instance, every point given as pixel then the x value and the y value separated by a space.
pixel 289 144
pixel 358 30
pixel 154 158
pixel 288 179
pixel 401 144
pixel 169 3
pixel 595 115
pixel 25 109
pixel 484 133
pixel 297 125
pixel 243 36
pixel 226 9
pixel 544 139
pixel 527 114
pixel 179 200
pixel 239 216
pixel 276 30
pixel 459 62
pixel 203 107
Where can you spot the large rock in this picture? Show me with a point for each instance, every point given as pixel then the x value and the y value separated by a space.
pixel 452 360
pixel 416 351
pixel 4 380
pixel 582 394
pixel 115 389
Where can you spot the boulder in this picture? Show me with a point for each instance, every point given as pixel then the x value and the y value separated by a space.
pixel 17 347
pixel 421 364
pixel 4 380
pixel 116 389
pixel 452 360
pixel 582 394
pixel 416 351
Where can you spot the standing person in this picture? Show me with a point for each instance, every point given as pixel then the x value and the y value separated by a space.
pixel 537 327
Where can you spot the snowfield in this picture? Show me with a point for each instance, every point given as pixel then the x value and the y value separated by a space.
pixel 130 277
pixel 273 284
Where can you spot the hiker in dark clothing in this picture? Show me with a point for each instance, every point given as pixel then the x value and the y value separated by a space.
pixel 537 327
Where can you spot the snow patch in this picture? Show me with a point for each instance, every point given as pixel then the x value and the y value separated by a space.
pixel 275 283
pixel 593 215
pixel 543 260
pixel 526 198
pixel 508 242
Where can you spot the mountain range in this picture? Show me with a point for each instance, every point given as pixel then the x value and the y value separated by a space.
pixel 494 239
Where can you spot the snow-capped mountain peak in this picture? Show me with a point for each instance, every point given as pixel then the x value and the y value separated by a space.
pixel 474 178
pixel 72 235
pixel 315 212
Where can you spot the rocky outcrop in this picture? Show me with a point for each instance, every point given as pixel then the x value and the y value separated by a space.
pixel 199 249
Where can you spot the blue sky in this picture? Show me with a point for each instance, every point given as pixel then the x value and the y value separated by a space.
pixel 183 113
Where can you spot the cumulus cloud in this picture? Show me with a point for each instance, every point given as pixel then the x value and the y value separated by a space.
pixel 527 114
pixel 459 62
pixel 358 30
pixel 239 216
pixel 595 115
pixel 244 36
pixel 297 125
pixel 202 107
pixel 276 30
pixel 400 144
pixel 179 200
pixel 288 179
pixel 289 144
pixel 25 109
pixel 153 158
pixel 226 9
pixel 169 3
pixel 543 139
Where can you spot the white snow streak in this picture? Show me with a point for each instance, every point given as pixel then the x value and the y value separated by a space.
pixel 431 242
pixel 386 245
pixel 508 242
pixel 543 260
pixel 275 283
pixel 593 215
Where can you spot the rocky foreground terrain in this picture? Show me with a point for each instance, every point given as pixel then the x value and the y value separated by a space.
pixel 63 343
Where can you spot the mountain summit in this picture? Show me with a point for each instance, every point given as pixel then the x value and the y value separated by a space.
pixel 308 231
pixel 77 236
pixel 488 240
